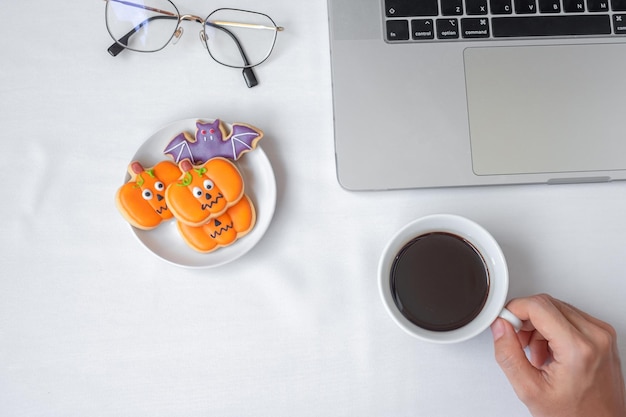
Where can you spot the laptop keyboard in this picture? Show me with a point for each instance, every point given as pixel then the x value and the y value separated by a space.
pixel 457 20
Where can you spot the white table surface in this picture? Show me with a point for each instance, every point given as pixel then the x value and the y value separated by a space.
pixel 92 324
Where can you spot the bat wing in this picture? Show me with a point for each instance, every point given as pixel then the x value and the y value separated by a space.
pixel 180 148
pixel 243 138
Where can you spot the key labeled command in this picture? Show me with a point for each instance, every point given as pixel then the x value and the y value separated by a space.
pixel 473 28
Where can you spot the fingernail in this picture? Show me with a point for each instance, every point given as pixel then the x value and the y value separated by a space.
pixel 497 329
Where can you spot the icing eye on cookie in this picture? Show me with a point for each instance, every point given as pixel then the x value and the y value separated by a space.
pixel 159 186
pixel 208 184
pixel 147 195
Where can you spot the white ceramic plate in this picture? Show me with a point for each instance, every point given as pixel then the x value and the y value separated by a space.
pixel 260 185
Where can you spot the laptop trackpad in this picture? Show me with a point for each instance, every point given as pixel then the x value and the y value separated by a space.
pixel 547 108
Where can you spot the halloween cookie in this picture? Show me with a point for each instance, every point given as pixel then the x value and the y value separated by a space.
pixel 222 230
pixel 142 199
pixel 204 191
pixel 212 140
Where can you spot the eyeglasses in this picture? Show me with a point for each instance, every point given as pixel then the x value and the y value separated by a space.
pixel 234 38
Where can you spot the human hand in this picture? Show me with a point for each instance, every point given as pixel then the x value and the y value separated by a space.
pixel 574 368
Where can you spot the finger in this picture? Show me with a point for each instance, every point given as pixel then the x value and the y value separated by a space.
pixel 581 318
pixel 524 337
pixel 540 352
pixel 545 315
pixel 597 332
pixel 511 357
pixel 541 313
pixel 569 311
pixel 537 345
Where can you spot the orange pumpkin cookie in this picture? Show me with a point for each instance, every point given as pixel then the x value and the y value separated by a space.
pixel 142 199
pixel 204 191
pixel 222 230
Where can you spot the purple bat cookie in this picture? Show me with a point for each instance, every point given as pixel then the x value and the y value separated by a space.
pixel 212 141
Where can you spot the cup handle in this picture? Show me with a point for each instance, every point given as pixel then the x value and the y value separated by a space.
pixel 511 318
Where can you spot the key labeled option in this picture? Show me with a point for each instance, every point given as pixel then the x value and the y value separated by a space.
pixel 447 28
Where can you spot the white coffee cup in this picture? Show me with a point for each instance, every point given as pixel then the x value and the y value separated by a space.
pixel 494 262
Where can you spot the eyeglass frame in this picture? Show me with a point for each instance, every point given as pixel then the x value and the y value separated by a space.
pixel 247 69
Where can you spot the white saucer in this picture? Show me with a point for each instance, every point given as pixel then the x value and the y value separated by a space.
pixel 260 185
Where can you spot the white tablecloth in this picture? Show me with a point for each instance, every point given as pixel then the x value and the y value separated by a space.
pixel 92 324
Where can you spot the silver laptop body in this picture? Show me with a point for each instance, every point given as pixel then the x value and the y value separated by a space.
pixel 475 109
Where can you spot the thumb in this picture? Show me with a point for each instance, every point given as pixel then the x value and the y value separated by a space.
pixel 512 359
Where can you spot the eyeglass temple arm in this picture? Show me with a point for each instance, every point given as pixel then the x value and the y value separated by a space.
pixel 248 73
pixel 250 77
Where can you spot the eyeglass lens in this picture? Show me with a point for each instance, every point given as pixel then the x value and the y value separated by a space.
pixel 144 26
pixel 238 38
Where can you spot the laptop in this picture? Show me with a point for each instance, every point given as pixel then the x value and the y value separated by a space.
pixel 445 93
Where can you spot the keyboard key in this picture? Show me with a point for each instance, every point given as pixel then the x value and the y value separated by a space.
pixel 422 29
pixel 549 6
pixel 618 5
pixel 619 24
pixel 472 28
pixel 447 28
pixel 397 30
pixel 598 5
pixel 551 25
pixel 501 6
pixel 403 8
pixel 574 6
pixel 525 6
pixel 451 7
pixel 476 7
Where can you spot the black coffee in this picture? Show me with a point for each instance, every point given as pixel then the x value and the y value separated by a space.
pixel 439 281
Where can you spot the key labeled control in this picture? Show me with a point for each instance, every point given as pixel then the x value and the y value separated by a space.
pixel 422 29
